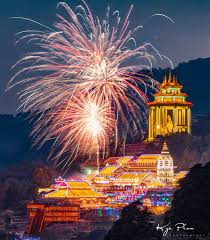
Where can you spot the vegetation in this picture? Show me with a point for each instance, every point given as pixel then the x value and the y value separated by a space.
pixel 19 184
pixel 134 224
pixel 191 202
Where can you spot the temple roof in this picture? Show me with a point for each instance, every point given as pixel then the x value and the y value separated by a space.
pixel 150 178
pixel 181 175
pixel 77 185
pixel 169 103
pixel 133 175
pixel 148 157
pixel 111 160
pixel 75 189
pixel 109 170
pixel 170 93
pixel 124 160
pixel 170 81
pixel 75 193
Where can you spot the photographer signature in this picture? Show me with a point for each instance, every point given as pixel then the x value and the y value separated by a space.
pixel 177 227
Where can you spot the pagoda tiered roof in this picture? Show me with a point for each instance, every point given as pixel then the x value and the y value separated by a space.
pixel 170 93
pixel 169 103
pixel 171 81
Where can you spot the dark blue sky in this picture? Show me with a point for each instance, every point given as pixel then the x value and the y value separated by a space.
pixel 188 38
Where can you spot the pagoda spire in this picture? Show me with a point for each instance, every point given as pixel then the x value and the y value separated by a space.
pixel 165 166
pixel 165 79
pixel 165 149
pixel 169 77
pixel 174 79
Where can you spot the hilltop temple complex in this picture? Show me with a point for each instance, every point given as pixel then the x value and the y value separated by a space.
pixel 146 172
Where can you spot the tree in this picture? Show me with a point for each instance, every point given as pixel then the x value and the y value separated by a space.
pixel 191 202
pixel 133 224
pixel 19 184
pixel 43 176
pixel 7 216
pixel 18 193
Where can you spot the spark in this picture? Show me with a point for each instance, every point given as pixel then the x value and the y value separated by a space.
pixel 85 122
pixel 80 58
pixel 163 15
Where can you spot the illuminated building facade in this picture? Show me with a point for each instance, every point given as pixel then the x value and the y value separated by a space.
pixel 169 112
pixel 165 166
pixel 122 180
pixel 145 172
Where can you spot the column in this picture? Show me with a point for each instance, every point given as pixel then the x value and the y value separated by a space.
pixel 153 121
pixel 183 116
pixel 189 121
pixel 156 120
pixel 175 119
pixel 165 121
pixel 149 126
pixel 159 124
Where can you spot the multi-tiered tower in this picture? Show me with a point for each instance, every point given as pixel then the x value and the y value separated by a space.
pixel 169 112
pixel 165 166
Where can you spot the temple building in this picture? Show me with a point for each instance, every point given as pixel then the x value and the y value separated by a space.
pixel 170 112
pixel 165 166
pixel 144 172
pixel 150 170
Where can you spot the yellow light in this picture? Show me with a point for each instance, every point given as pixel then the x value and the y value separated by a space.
pixel 93 122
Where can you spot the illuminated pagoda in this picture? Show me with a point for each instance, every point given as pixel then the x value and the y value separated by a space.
pixel 165 166
pixel 169 112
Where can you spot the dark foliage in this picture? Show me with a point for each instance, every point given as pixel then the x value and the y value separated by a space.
pixel 43 176
pixel 185 151
pixel 134 224
pixel 188 150
pixel 193 75
pixel 191 202
pixel 19 184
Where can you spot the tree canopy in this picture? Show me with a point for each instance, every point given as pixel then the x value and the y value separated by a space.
pixel 191 202
pixel 134 224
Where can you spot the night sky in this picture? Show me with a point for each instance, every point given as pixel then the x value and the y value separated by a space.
pixel 187 39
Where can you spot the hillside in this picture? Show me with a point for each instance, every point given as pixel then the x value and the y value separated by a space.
pixel 195 77
pixel 16 143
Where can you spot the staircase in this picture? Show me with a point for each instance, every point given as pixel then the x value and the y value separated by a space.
pixel 36 223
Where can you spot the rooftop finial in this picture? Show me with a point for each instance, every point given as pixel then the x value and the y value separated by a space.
pixel 174 79
pixel 169 77
pixel 164 79
pixel 165 148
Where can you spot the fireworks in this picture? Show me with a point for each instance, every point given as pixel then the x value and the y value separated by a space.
pixel 85 122
pixel 82 81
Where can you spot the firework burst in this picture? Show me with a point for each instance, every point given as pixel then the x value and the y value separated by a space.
pixel 82 126
pixel 81 81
